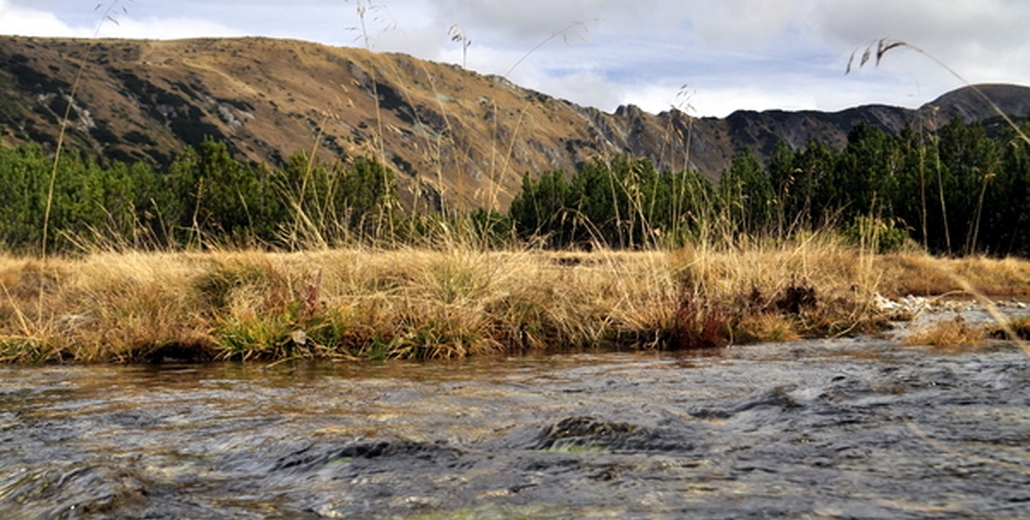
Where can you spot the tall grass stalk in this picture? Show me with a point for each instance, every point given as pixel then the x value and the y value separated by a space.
pixel 108 16
pixel 562 33
pixel 301 217
pixel 881 47
pixel 460 157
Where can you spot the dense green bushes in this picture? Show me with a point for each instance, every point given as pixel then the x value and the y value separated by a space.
pixel 956 191
pixel 960 190
pixel 623 203
pixel 88 200
pixel 204 198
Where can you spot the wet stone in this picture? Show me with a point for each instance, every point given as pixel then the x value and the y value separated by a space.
pixel 583 432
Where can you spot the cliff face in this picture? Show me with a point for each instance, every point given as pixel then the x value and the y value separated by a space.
pixel 448 132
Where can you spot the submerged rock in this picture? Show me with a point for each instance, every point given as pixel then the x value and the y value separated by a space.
pixel 584 433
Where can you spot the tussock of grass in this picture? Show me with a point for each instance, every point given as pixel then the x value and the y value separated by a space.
pixel 949 334
pixel 421 304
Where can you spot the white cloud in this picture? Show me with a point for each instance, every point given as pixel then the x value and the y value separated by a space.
pixel 165 28
pixel 981 40
pixel 745 24
pixel 117 23
pixel 583 88
pixel 530 21
pixel 23 21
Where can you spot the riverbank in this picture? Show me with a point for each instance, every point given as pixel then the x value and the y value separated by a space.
pixel 419 304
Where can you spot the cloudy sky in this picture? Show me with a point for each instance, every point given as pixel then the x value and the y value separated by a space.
pixel 708 56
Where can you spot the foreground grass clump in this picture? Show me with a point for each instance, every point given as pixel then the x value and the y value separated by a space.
pixel 949 334
pixel 422 304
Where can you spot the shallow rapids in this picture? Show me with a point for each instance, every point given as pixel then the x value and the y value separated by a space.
pixel 812 429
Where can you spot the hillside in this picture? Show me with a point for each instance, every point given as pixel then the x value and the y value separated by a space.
pixel 451 134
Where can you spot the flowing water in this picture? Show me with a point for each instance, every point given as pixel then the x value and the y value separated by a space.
pixel 811 429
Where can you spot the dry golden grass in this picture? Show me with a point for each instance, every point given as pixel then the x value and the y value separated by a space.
pixel 924 275
pixel 410 303
pixel 950 334
pixel 348 303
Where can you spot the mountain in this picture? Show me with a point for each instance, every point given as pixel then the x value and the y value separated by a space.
pixel 451 134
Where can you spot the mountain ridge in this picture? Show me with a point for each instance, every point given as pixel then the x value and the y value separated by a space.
pixel 452 135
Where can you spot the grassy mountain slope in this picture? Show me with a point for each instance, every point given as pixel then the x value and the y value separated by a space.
pixel 452 135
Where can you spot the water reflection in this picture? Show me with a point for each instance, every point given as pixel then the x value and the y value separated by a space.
pixel 844 428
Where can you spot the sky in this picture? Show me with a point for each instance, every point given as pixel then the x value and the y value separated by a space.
pixel 706 57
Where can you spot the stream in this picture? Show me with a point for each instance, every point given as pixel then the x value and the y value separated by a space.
pixel 845 428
